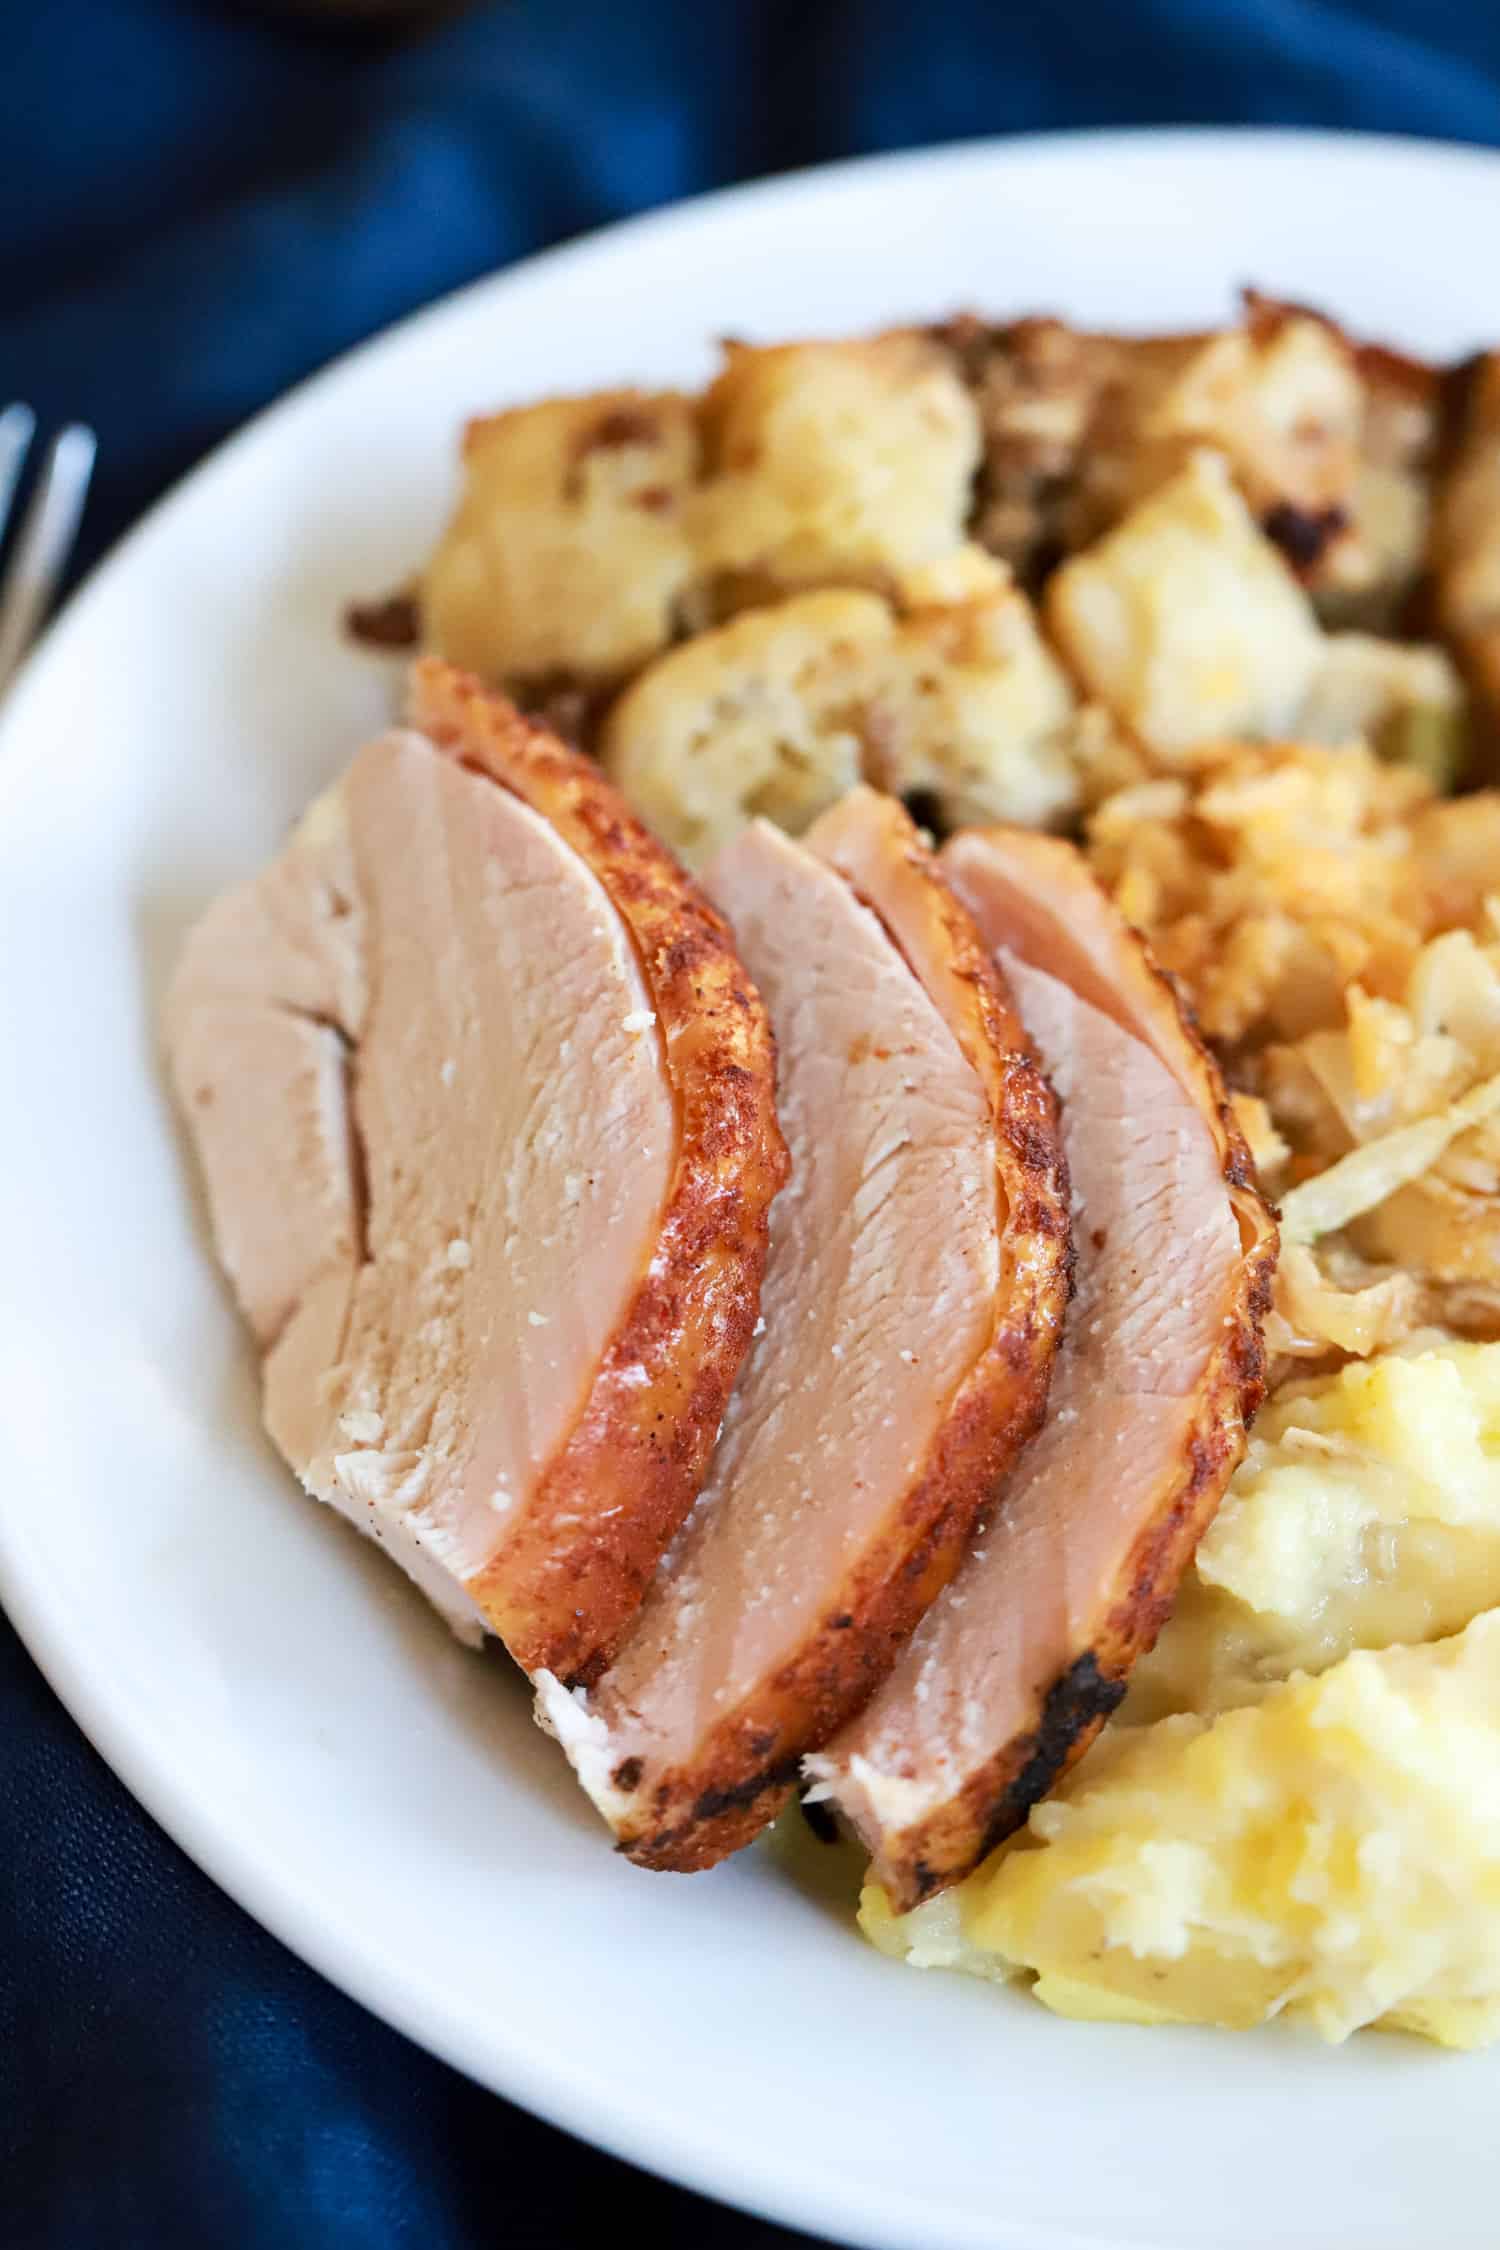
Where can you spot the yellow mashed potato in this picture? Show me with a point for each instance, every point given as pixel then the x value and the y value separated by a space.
pixel 1332 1852
pixel 1366 1512
pixel 1298 1808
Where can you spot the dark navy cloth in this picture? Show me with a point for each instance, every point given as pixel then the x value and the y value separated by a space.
pixel 199 204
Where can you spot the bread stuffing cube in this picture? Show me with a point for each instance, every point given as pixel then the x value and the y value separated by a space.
pixel 572 543
pixel 1185 622
pixel 846 462
pixel 958 705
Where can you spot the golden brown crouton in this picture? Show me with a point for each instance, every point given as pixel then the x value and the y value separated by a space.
pixel 959 705
pixel 571 546
pixel 1184 621
pixel 592 531
pixel 1331 442
pixel 833 463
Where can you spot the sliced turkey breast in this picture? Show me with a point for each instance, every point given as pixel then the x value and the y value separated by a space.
pixel 1018 1663
pixel 483 1100
pixel 914 1296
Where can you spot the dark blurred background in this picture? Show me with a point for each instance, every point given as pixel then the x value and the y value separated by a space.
pixel 200 203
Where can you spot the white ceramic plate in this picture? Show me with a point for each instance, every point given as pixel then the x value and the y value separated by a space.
pixel 272 1692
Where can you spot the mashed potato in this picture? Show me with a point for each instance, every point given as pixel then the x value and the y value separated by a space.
pixel 1298 1806
pixel 1331 1852
pixel 1366 1512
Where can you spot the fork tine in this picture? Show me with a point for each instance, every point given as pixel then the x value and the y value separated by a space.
pixel 43 542
pixel 17 428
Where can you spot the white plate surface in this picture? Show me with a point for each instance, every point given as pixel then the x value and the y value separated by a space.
pixel 276 1697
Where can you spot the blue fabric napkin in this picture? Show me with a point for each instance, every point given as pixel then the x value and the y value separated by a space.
pixel 199 204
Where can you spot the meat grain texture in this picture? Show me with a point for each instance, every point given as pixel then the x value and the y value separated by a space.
pixel 483 1099
pixel 1018 1664
pixel 913 1301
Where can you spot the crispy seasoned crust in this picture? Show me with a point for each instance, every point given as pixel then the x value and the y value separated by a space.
pixel 943 1846
pixel 695 1815
pixel 568 1582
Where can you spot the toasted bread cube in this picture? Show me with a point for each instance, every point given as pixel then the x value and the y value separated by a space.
pixel 1185 622
pixel 784 708
pixel 1330 442
pixel 848 461
pixel 571 545
pixel 977 715
pixel 1283 408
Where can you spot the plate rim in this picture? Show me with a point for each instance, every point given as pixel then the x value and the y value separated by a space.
pixel 568 2094
pixel 1418 150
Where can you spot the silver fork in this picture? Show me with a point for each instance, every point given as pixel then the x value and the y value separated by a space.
pixel 47 530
